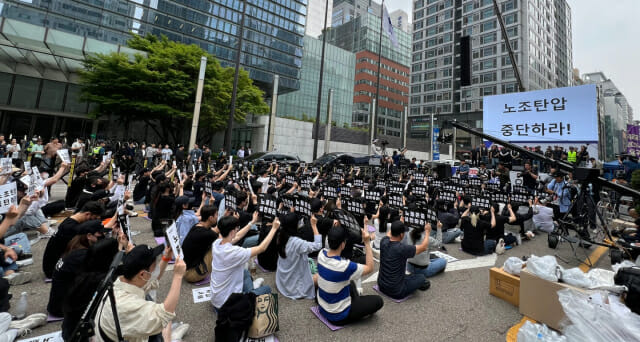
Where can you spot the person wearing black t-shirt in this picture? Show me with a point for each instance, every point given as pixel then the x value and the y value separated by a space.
pixel 197 245
pixel 496 233
pixel 393 262
pixel 529 177
pixel 474 229
pixel 140 190
pixel 162 208
pixel 66 231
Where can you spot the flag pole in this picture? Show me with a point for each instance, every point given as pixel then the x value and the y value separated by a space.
pixel 374 125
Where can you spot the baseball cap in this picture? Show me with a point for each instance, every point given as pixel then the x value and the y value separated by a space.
pixel 140 258
pixel 557 174
pixel 316 205
pixel 91 227
pixel 182 200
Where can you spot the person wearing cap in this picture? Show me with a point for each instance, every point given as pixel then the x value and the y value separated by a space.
pixel 197 245
pixel 393 262
pixel 559 188
pixel 293 276
pixel 67 230
pixel 87 234
pixel 543 216
pixel 140 319
pixel 338 298
pixel 228 274
pixel 185 216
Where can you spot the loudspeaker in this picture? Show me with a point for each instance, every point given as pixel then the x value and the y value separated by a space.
pixel 443 170
pixel 465 61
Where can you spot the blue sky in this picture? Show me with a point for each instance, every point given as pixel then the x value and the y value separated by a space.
pixel 605 38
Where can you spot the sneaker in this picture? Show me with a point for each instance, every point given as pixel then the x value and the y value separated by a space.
pixel 500 247
pixel 518 239
pixel 24 262
pixel 257 283
pixel 178 332
pixel 426 285
pixel 458 239
pixel 35 240
pixel 18 278
pixel 133 214
pixel 51 232
pixel 23 256
pixel 25 325
pixel 52 223
pixel 530 234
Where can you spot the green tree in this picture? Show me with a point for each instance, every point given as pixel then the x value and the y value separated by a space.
pixel 159 88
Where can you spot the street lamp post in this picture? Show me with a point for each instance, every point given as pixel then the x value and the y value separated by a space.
pixel 234 93
pixel 317 124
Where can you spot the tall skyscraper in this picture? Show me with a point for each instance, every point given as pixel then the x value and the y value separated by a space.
pixel 346 10
pixel 539 32
pixel 362 36
pixel 315 16
pixel 400 20
pixel 47 41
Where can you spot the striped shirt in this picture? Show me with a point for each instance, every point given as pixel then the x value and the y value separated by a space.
pixel 334 276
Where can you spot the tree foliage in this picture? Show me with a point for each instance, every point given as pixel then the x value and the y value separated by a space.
pixel 160 88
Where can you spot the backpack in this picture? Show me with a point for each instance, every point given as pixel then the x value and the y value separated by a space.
pixel 630 277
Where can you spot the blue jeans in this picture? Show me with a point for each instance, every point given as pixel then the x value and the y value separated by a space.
pixel 411 284
pixel 140 201
pixel 449 235
pixel 247 285
pixel 250 241
pixel 435 266
pixel 19 243
pixel 489 246
pixel 10 267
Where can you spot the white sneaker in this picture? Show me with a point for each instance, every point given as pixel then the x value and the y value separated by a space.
pixel 500 247
pixel 24 262
pixel 9 335
pixel 5 320
pixel 530 234
pixel 132 214
pixel 178 332
pixel 35 240
pixel 257 283
pixel 19 278
pixel 25 326
pixel 458 239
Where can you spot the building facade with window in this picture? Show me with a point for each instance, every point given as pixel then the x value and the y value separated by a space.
pixel 539 32
pixel 339 71
pixel 33 54
pixel 361 36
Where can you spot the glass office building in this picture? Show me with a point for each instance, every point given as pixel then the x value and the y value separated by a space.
pixel 273 39
pixel 339 72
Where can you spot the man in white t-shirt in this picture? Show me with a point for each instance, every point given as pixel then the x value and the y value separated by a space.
pixel 228 274
pixel 264 179
pixel 241 152
pixel 543 216
pixel 77 149
pixel 166 153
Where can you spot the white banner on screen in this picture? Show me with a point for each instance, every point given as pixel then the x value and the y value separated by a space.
pixel 549 117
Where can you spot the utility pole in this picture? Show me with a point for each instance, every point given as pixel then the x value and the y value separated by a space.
pixel 324 44
pixel 196 107
pixel 234 93
pixel 272 118
pixel 327 129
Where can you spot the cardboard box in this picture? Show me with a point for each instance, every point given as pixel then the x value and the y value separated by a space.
pixel 539 299
pixel 504 285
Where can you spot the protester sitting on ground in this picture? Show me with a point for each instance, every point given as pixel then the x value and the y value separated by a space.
pixel 139 318
pixel 496 232
pixel 382 223
pixel 543 216
pixel 474 229
pixel 34 218
pixel 228 274
pixel 162 207
pixel 82 175
pixel 336 274
pixel 88 233
pixel 85 282
pixel 422 262
pixel 67 230
pixel 293 276
pixel 197 245
pixel 185 216
pixel 393 260
pixel 449 218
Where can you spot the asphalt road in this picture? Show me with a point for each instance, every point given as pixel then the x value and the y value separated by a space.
pixel 457 307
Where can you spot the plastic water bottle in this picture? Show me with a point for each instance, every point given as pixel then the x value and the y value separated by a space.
pixel 21 309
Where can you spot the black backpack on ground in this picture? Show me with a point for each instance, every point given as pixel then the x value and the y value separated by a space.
pixel 630 277
pixel 235 317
